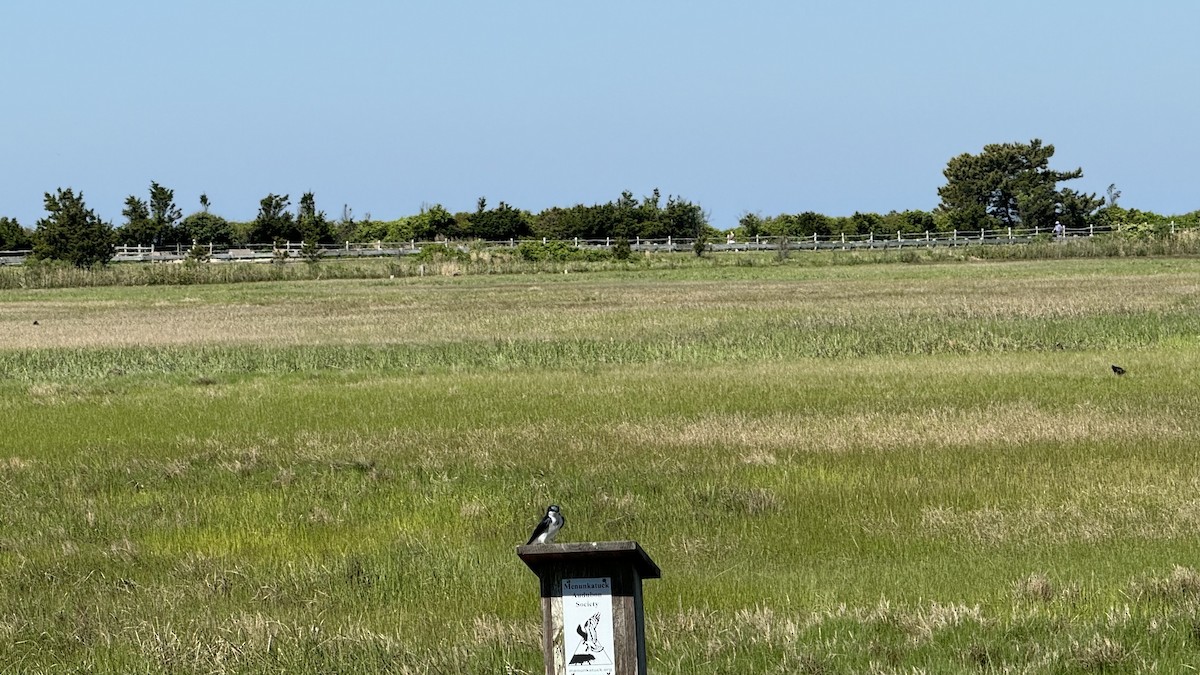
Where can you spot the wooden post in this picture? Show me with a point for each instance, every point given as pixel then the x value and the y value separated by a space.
pixel 592 620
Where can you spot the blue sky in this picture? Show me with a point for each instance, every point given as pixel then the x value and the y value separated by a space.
pixel 769 107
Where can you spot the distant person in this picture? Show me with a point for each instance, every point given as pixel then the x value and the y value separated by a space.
pixel 1059 230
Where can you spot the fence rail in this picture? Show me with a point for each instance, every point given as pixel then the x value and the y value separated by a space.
pixel 293 251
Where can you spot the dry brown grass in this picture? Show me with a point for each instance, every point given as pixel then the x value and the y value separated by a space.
pixel 421 311
pixel 765 439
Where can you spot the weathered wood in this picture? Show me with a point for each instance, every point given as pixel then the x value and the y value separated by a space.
pixel 622 565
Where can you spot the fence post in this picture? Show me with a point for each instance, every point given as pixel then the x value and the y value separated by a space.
pixel 1091 230
pixel 981 234
pixel 1010 232
pixel 576 242
pixel 954 237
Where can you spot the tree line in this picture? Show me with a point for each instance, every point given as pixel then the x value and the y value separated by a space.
pixel 73 232
pixel 1005 185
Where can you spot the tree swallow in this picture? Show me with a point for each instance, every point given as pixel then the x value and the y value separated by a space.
pixel 546 530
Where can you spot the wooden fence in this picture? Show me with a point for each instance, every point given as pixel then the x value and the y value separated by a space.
pixel 292 251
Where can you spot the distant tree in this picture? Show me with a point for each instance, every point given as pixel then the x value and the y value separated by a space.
pixel 909 222
pixel 1007 184
pixel 586 222
pixel 649 210
pixel 624 218
pixel 344 228
pixel 153 223
pixel 203 227
pixel 630 218
pixel 967 217
pixel 680 218
pixel 431 222
pixel 750 224
pixel 311 223
pixel 811 222
pixel 72 232
pixel 865 223
pixel 1077 210
pixel 138 230
pixel 164 214
pixel 13 237
pixel 274 222
pixel 369 229
pixel 502 222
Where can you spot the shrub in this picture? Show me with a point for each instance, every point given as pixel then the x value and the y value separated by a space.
pixel 558 251
pixel 441 253
pixel 621 249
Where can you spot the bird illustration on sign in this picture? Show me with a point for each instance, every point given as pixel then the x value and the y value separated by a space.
pixel 590 647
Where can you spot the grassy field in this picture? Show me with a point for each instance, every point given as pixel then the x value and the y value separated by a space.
pixel 840 468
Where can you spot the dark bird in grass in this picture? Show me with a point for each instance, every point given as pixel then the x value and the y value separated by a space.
pixel 1118 369
pixel 35 322
pixel 546 530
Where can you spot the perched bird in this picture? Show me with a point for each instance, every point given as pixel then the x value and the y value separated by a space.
pixel 35 322
pixel 1118 369
pixel 546 530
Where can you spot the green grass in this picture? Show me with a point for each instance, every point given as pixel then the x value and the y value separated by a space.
pixel 870 468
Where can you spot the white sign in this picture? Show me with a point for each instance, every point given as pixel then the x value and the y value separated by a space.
pixel 588 625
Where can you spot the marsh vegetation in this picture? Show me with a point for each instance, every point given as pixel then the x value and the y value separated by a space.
pixel 839 467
